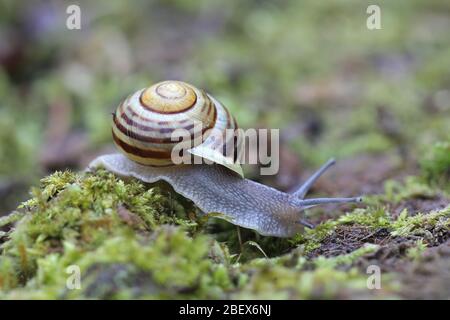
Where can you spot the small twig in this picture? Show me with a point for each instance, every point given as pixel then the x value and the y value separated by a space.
pixel 253 243
pixel 241 246
pixel 368 236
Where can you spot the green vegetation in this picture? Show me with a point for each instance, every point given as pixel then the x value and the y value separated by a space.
pixel 436 165
pixel 132 240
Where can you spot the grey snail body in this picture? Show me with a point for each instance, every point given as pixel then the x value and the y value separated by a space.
pixel 214 188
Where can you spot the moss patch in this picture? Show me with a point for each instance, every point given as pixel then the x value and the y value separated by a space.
pixel 436 165
pixel 132 240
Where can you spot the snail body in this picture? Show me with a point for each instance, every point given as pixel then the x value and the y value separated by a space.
pixel 141 129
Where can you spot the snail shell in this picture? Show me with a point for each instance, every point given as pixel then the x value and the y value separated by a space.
pixel 145 123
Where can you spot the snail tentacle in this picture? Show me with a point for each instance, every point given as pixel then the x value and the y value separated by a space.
pixel 304 188
pixel 318 201
pixel 306 223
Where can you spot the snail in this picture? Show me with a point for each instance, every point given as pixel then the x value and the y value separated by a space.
pixel 142 126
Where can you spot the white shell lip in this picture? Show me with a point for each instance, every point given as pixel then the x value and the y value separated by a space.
pixel 216 157
pixel 205 151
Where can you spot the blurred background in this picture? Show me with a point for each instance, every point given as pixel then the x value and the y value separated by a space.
pixel 375 99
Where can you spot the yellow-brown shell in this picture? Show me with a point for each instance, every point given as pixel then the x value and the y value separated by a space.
pixel 144 123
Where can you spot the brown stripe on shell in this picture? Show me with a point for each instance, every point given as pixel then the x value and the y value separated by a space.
pixel 139 126
pixel 136 136
pixel 168 140
pixel 134 114
pixel 211 107
pixel 131 122
pixel 228 118
pixel 222 143
pixel 205 105
pixel 140 152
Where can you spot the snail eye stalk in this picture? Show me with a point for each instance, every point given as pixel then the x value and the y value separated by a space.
pixel 304 188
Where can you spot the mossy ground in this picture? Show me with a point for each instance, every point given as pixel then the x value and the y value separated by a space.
pixel 132 240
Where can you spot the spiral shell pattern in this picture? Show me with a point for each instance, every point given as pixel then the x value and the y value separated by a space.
pixel 143 125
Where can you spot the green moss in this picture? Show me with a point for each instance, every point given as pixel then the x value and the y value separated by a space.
pixel 8 278
pixel 416 252
pixel 12 217
pixel 85 210
pixel 133 240
pixel 165 264
pixel 419 224
pixel 311 238
pixel 346 259
pixel 436 165
pixel 371 217
pixel 411 188
pixel 374 218
pixel 377 217
pixel 174 263
pixel 277 282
